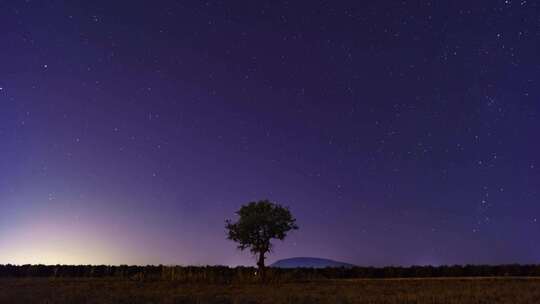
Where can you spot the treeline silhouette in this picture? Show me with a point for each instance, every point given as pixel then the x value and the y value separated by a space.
pixel 223 274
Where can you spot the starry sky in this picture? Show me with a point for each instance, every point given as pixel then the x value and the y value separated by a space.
pixel 398 132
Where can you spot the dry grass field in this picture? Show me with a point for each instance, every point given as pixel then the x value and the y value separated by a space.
pixel 372 291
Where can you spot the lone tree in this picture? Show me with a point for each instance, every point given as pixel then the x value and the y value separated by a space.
pixel 259 223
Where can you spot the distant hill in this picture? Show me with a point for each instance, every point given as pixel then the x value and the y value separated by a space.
pixel 307 262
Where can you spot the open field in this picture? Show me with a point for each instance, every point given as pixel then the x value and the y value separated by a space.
pixel 374 291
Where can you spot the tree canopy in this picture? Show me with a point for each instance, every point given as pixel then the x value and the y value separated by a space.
pixel 260 222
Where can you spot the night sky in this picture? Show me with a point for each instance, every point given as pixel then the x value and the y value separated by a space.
pixel 398 132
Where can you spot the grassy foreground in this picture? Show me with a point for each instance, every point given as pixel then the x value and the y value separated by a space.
pixel 373 291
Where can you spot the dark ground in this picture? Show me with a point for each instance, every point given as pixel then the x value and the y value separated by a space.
pixel 373 291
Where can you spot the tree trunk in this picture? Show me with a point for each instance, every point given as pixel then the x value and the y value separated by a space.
pixel 260 264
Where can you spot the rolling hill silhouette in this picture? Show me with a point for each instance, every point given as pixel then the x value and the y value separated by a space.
pixel 309 262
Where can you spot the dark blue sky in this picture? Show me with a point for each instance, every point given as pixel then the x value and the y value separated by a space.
pixel 398 132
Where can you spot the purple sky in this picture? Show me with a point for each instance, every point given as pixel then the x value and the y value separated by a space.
pixel 397 132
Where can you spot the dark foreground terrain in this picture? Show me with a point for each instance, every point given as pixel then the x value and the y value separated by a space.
pixel 373 291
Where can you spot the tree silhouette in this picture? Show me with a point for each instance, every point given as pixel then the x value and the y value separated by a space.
pixel 259 223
